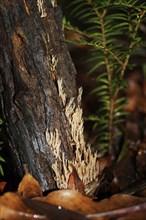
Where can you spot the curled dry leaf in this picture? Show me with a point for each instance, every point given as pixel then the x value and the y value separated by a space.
pixel 74 182
pixel 29 187
pixel 125 171
pixel 2 186
pixel 12 207
pixel 104 163
pixel 104 209
pixel 71 200
pixel 13 201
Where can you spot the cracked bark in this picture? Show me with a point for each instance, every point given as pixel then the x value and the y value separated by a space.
pixel 29 96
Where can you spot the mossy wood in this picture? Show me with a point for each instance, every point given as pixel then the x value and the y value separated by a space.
pixel 33 56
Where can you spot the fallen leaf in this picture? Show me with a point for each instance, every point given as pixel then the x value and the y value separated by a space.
pixel 29 187
pixel 71 200
pixel 53 212
pixel 12 207
pixel 75 201
pixel 13 201
pixel 125 171
pixel 2 186
pixel 74 181
pixel 141 164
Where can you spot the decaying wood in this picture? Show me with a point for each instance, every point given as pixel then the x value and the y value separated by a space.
pixel 33 56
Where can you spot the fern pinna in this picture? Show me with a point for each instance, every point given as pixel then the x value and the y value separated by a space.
pixel 110 28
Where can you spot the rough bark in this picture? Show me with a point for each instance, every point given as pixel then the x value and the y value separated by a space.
pixel 33 56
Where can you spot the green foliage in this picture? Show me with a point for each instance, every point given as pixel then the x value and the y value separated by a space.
pixel 1 158
pixel 111 29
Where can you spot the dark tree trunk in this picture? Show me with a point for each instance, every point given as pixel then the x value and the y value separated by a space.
pixel 33 56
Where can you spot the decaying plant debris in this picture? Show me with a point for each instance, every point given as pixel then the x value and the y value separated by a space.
pixel 29 203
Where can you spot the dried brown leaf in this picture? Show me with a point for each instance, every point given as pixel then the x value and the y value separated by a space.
pixel 29 187
pixel 2 186
pixel 74 181
pixel 74 201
